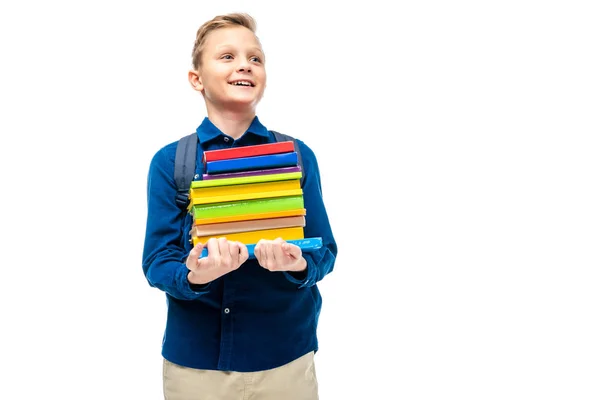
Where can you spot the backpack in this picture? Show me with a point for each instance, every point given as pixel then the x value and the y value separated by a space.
pixel 185 164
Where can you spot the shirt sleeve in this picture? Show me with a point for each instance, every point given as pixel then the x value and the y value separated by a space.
pixel 164 254
pixel 319 262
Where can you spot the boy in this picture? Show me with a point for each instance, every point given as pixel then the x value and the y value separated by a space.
pixel 237 328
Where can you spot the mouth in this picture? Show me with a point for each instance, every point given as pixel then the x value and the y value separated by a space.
pixel 242 82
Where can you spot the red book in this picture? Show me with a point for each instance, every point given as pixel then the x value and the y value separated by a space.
pixel 248 151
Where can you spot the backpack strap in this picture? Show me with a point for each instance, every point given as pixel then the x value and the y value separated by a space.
pixel 281 137
pixel 185 165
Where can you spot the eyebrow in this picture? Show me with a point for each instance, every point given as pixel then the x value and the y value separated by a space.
pixel 229 47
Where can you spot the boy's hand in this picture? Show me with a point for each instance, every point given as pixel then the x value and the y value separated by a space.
pixel 223 257
pixel 279 255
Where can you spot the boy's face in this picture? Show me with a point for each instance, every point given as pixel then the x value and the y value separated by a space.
pixel 232 73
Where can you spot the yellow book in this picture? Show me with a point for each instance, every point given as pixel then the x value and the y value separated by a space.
pixel 250 217
pixel 252 237
pixel 245 196
pixel 219 194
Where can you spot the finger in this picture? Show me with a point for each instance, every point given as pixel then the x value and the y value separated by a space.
pixel 279 255
pixel 192 260
pixel 291 250
pixel 234 252
pixel 213 248
pixel 224 250
pixel 243 253
pixel 270 255
pixel 258 251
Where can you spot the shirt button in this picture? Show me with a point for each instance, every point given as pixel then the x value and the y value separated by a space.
pixel 226 311
pixel 226 139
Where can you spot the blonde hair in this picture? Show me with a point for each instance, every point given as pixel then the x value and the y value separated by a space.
pixel 219 22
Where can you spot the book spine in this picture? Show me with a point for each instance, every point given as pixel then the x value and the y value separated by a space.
pixel 255 187
pixel 246 180
pixel 242 226
pixel 249 237
pixel 248 151
pixel 247 207
pixel 271 171
pixel 245 196
pixel 251 217
pixel 306 245
pixel 250 163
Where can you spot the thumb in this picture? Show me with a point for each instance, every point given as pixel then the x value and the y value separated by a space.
pixel 195 252
pixel 291 250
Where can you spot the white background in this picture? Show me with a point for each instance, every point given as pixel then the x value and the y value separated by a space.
pixel 458 146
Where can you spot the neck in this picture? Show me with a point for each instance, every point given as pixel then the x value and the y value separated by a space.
pixel 232 123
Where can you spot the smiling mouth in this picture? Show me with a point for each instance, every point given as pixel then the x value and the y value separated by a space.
pixel 242 83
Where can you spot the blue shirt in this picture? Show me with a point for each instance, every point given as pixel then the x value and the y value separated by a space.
pixel 250 319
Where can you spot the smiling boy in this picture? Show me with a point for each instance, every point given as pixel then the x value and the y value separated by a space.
pixel 237 328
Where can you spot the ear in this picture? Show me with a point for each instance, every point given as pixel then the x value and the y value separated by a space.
pixel 195 80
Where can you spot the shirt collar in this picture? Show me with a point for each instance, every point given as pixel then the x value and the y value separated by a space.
pixel 208 131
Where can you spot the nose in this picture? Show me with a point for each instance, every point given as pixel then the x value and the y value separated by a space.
pixel 243 66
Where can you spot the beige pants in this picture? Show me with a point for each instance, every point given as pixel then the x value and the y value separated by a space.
pixel 293 381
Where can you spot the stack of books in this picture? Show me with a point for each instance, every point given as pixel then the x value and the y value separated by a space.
pixel 250 193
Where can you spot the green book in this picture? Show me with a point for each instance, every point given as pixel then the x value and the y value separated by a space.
pixel 246 179
pixel 245 207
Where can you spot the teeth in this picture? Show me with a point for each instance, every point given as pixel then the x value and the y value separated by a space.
pixel 242 84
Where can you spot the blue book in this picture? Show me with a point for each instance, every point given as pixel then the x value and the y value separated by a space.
pixel 307 245
pixel 289 159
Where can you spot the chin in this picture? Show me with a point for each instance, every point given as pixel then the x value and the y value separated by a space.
pixel 244 102
pixel 250 97
pixel 242 105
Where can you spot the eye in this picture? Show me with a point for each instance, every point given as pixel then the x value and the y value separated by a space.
pixel 227 57
pixel 255 59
